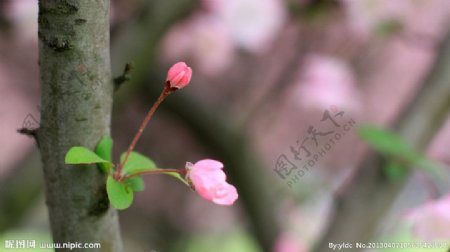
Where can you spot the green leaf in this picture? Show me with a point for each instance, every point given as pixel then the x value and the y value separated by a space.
pixel 119 194
pixel 399 152
pixel 395 171
pixel 388 27
pixel 104 150
pixel 82 155
pixel 136 184
pixel 136 163
pixel 388 143
pixel 434 169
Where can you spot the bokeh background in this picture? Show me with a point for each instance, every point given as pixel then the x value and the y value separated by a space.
pixel 265 71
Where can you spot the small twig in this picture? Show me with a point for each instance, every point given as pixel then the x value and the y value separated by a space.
pixel 126 76
pixel 155 171
pixel 166 92
pixel 33 133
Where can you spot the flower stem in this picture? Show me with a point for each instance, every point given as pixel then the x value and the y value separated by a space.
pixel 156 171
pixel 166 91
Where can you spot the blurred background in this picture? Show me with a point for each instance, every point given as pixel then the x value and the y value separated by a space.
pixel 274 81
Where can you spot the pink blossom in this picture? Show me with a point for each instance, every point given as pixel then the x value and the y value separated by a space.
pixel 179 75
pixel 365 15
pixel 287 243
pixel 23 14
pixel 204 40
pixel 253 24
pixel 325 81
pixel 432 220
pixel 209 180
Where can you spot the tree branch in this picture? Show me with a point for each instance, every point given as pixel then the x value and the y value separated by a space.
pixel 33 133
pixel 124 77
pixel 20 190
pixel 359 209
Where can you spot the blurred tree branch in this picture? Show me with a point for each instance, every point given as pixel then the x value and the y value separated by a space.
pixel 299 38
pixel 20 190
pixel 360 206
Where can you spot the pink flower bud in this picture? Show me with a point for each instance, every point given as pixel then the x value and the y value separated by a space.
pixel 179 75
pixel 209 180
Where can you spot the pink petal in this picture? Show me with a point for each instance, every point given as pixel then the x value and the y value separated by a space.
pixel 209 164
pixel 175 70
pixel 179 75
pixel 209 181
pixel 225 195
pixel 431 221
pixel 204 184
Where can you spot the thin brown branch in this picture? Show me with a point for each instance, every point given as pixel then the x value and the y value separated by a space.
pixel 33 133
pixel 124 77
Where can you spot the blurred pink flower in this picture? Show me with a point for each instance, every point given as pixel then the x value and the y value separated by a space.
pixel 287 243
pixel 209 180
pixel 24 14
pixel 179 75
pixel 252 23
pixel 327 81
pixel 212 5
pixel 204 40
pixel 17 110
pixel 431 221
pixel 437 150
pixel 365 15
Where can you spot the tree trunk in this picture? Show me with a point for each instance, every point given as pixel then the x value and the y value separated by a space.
pixel 76 101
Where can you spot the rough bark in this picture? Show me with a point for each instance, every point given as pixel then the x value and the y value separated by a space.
pixel 362 205
pixel 76 104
